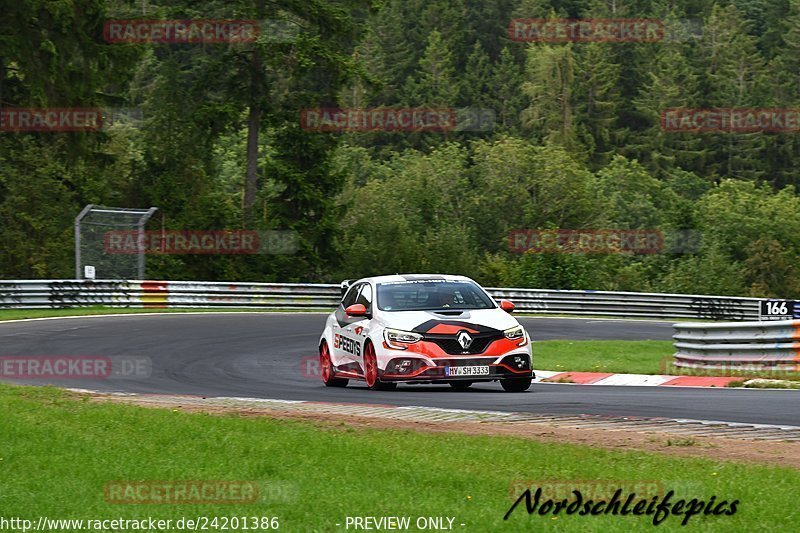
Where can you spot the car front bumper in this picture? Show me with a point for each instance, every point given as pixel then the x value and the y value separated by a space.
pixel 422 370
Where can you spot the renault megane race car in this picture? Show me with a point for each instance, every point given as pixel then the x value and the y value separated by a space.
pixel 423 329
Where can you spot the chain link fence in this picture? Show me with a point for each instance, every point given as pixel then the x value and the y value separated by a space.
pixel 91 228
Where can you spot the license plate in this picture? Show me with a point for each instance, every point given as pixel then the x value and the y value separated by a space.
pixel 466 370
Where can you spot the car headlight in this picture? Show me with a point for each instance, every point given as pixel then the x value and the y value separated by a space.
pixel 400 339
pixel 515 333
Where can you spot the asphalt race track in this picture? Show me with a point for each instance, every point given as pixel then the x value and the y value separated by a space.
pixel 268 355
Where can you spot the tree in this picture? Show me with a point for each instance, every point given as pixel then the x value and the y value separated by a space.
pixel 490 22
pixel 435 84
pixel 506 91
pixel 669 83
pixel 390 48
pixel 476 83
pixel 413 209
pixel 633 198
pixel 50 57
pixel 596 97
pixel 734 77
pixel 770 270
pixel 736 213
pixel 526 187
pixel 451 20
pixel 549 80
pixel 783 150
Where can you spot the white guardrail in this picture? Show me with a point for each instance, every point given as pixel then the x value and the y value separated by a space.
pixel 48 294
pixel 769 345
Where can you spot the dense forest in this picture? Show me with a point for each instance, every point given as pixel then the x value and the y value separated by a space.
pixel 210 133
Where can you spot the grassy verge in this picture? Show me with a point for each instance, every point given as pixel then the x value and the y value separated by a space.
pixel 628 357
pixel 57 453
pixel 786 383
pixel 634 357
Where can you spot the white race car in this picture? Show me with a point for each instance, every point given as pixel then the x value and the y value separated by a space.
pixel 423 329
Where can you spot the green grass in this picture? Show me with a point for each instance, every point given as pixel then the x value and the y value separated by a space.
pixel 57 452
pixel 18 314
pixel 626 357
pixel 636 357
pixel 770 384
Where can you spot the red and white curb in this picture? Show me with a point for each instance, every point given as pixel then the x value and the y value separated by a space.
pixel 632 380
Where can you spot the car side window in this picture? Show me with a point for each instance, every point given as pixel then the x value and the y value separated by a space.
pixel 365 296
pixel 350 298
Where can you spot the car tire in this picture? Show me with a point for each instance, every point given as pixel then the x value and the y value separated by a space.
pixel 371 374
pixel 516 385
pixel 326 370
pixel 460 385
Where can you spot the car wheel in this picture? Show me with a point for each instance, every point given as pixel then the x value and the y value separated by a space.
pixel 326 368
pixel 516 385
pixel 461 385
pixel 371 370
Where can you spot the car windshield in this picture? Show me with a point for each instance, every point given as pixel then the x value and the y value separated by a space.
pixel 426 295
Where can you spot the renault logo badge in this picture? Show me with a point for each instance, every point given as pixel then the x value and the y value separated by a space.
pixel 464 340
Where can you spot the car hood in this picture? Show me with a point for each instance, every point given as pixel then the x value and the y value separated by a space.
pixel 423 321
